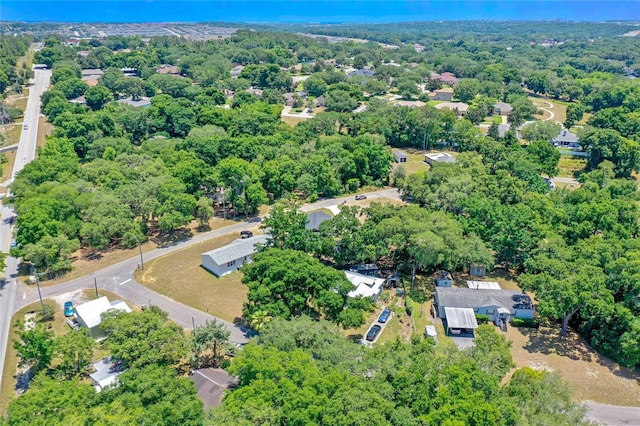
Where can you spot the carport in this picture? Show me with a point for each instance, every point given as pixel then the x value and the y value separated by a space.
pixel 460 321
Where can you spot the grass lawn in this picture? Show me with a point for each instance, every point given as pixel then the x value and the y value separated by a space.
pixel 559 109
pixel 87 262
pixel 58 326
pixel 571 166
pixel 12 134
pixel 292 121
pixel 590 375
pixel 7 168
pixel 179 276
pixel 44 129
pixel 415 162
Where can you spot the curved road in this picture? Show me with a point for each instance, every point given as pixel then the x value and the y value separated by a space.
pixel 119 278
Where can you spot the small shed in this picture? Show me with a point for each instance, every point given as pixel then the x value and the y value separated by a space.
pixel 430 332
pixel 400 156
pixel 484 285
pixel 106 374
pixel 460 321
pixel 443 279
pixel 477 270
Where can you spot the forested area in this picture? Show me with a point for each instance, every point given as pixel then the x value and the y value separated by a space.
pixel 113 175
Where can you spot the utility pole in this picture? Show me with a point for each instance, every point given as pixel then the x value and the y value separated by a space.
pixel 141 259
pixel 39 293
pixel 95 283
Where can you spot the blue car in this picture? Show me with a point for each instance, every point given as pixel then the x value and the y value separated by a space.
pixel 384 316
pixel 68 309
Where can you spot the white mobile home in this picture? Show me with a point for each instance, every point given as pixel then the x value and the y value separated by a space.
pixel 231 257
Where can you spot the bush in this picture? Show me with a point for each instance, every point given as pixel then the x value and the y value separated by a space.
pixel 409 309
pixel 46 314
pixel 482 318
pixel 525 322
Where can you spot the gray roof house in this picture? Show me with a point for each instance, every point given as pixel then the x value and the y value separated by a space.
pixel 224 260
pixel 315 219
pixel 502 108
pixel 499 305
pixel 567 139
pixel 106 374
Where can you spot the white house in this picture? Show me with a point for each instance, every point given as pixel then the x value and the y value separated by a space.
pixel 366 286
pixel 231 257
pixel 440 157
pixel 88 314
pixel 106 374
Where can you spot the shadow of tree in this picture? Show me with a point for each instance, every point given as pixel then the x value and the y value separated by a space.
pixel 549 340
pixel 172 238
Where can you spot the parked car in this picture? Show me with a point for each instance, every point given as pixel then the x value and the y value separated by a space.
pixel 68 309
pixel 361 197
pixel 384 316
pixel 246 234
pixel 373 333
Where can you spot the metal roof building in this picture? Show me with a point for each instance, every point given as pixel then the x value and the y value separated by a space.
pixel 484 302
pixel 484 285
pixel 461 318
pixel 231 257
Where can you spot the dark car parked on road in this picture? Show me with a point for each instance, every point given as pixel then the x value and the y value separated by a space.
pixel 373 333
pixel 246 234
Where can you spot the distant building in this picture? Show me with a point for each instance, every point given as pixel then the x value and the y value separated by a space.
pixel 440 157
pixel 168 69
pixel 224 260
pixel 366 286
pixel 567 139
pixel 459 107
pixel 362 73
pixel 502 108
pixel 235 71
pixel 444 94
pixel 445 77
pixel 319 101
pixel 400 156
pixel 369 269
pixel 143 102
pixel 255 92
pixel 410 104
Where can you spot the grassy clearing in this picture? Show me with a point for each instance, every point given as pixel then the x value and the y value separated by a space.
pixel 44 129
pixel 586 117
pixel 415 162
pixel 559 109
pixel 571 166
pixel 86 261
pixel 180 277
pixel 590 375
pixel 58 326
pixel 292 121
pixel 7 168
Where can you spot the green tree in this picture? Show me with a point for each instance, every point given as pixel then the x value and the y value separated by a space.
pixel 540 130
pixel 97 97
pixel 74 352
pixel 35 347
pixel 144 338
pixel 204 210
pixel 467 89
pixel 210 344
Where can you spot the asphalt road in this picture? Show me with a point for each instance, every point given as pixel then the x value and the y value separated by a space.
pixel 119 278
pixel 26 152
pixel 612 415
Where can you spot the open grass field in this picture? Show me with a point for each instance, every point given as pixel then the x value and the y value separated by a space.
pixel 571 166
pixel 415 162
pixel 86 262
pixel 180 277
pixel 591 376
pixel 558 109
pixel 292 121
pixel 11 134
pixel 44 129
pixel 7 168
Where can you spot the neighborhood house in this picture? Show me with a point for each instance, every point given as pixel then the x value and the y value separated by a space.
pixel 441 157
pixel 499 305
pixel 366 286
pixel 231 257
pixel 106 374
pixel 445 94
pixel 567 139
pixel 89 314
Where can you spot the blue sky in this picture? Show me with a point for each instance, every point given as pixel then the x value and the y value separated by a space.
pixel 312 11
